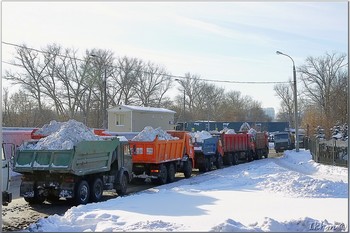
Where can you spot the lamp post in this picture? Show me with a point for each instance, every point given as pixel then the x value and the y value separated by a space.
pixel 104 112
pixel 183 125
pixel 295 103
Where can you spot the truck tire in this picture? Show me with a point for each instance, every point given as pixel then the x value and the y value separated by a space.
pixel 82 193
pixel 187 168
pixel 219 162
pixel 266 153
pixel 163 174
pixel 234 159
pixel 229 160
pixel 96 192
pixel 123 186
pixel 205 166
pixel 36 199
pixel 171 173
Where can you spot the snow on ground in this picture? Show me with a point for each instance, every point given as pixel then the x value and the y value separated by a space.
pixel 290 193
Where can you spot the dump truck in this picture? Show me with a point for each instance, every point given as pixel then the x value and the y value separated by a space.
pixel 261 145
pixel 208 152
pixel 283 141
pixel 159 160
pixel 79 174
pixel 237 147
pixel 5 176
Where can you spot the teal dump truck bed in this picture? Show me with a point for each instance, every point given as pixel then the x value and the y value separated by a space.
pixel 87 157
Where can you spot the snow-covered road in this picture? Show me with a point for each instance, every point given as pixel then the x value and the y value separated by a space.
pixel 290 193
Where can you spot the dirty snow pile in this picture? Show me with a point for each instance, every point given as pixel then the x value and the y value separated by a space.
pixel 228 131
pixel 62 136
pixel 200 136
pixel 149 134
pixel 252 132
pixel 291 193
pixel 244 127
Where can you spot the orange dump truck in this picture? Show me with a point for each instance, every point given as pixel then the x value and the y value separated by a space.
pixel 159 160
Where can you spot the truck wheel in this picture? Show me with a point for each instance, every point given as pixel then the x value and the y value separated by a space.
pixel 187 168
pixel 121 191
pixel 266 153
pixel 163 174
pixel 36 199
pixel 219 162
pixel 96 190
pixel 171 173
pixel 234 159
pixel 229 159
pixel 82 193
pixel 205 166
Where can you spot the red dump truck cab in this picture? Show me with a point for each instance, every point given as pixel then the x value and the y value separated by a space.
pixel 159 160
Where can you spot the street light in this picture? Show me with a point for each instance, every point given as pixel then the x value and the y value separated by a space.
pixel 183 125
pixel 104 112
pixel 295 103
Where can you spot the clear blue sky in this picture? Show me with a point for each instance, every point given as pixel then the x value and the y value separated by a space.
pixel 233 41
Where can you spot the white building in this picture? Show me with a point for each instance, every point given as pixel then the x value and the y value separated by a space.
pixel 270 112
pixel 127 118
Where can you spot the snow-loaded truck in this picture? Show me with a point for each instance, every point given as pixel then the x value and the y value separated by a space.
pixel 159 160
pixel 244 146
pixel 208 152
pixel 79 174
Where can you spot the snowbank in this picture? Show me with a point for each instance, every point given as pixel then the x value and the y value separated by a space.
pixel 289 193
pixel 149 134
pixel 61 136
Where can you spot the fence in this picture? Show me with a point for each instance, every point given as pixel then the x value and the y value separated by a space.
pixel 331 152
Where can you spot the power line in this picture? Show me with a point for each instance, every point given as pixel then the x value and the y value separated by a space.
pixel 169 75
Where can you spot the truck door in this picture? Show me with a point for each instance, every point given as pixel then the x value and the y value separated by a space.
pixel 127 157
pixel 5 171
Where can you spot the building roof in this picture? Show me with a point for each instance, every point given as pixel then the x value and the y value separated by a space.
pixel 141 109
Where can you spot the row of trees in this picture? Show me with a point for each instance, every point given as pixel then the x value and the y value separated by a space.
pixel 56 84
pixel 322 93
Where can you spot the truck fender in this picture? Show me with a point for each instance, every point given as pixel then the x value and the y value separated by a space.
pixel 185 158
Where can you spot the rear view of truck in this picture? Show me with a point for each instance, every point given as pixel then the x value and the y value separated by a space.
pixel 69 161
pixel 159 160
pixel 208 152
pixel 261 145
pixel 237 147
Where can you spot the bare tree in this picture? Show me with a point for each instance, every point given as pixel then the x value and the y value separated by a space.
pixel 125 77
pixel 151 86
pixel 31 78
pixel 323 77
pixel 285 93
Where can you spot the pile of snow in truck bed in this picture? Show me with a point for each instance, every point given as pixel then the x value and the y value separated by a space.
pixel 149 134
pixel 62 136
pixel 200 136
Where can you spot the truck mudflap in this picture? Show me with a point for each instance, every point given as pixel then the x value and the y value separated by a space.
pixel 6 198
pixel 27 189
pixel 65 190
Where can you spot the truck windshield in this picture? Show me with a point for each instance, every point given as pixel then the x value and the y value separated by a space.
pixel 281 136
